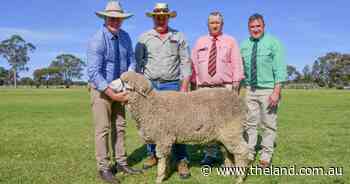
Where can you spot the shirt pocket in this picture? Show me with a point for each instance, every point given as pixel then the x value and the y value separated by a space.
pixel 225 54
pixel 174 47
pixel 265 55
pixel 202 55
pixel 265 59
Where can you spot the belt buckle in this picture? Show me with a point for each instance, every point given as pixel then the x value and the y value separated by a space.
pixel 253 88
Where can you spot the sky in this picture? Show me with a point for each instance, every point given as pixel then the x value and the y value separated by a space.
pixel 307 29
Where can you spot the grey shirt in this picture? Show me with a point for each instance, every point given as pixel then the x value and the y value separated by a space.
pixel 163 59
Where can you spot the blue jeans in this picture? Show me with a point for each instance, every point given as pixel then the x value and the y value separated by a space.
pixel 178 149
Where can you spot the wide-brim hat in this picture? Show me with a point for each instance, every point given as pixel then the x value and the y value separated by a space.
pixel 161 9
pixel 113 9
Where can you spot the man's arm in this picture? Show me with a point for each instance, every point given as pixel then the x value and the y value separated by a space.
pixel 237 66
pixel 140 55
pixel 279 69
pixel 95 60
pixel 194 59
pixel 185 65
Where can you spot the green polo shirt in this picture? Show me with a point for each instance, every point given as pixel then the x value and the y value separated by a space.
pixel 271 67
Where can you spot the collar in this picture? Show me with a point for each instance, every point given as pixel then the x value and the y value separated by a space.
pixel 153 32
pixel 257 40
pixel 218 38
pixel 110 35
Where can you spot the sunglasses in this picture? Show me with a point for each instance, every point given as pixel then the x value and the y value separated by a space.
pixel 114 19
pixel 162 10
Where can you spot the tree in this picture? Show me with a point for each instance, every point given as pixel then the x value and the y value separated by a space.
pixel 307 73
pixel 71 67
pixel 315 72
pixel 48 76
pixel 334 69
pixel 27 81
pixel 293 74
pixel 39 77
pixel 4 76
pixel 15 50
pixel 53 76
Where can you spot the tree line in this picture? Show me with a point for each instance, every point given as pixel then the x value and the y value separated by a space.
pixel 65 69
pixel 331 70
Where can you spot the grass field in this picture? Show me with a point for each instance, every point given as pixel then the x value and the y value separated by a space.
pixel 46 136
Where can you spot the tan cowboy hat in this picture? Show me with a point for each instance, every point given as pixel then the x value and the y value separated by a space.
pixel 113 9
pixel 161 9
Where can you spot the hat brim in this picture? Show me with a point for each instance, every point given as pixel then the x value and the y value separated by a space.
pixel 170 14
pixel 103 15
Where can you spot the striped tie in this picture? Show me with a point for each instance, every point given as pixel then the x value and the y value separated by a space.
pixel 212 59
pixel 253 70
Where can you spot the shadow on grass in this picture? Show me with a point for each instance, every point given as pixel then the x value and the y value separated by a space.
pixel 195 153
pixel 137 155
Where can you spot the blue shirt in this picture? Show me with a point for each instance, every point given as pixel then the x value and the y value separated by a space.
pixel 105 62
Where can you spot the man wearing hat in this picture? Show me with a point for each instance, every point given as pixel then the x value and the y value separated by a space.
pixel 163 55
pixel 109 54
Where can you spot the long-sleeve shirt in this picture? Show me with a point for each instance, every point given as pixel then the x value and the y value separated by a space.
pixel 270 64
pixel 105 63
pixel 229 66
pixel 165 58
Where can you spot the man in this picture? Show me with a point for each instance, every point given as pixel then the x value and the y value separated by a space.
pixel 109 54
pixel 265 71
pixel 216 62
pixel 162 54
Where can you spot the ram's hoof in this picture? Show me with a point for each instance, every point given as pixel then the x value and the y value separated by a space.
pixel 159 180
pixel 239 180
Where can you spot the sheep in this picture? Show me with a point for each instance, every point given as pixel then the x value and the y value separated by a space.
pixel 198 117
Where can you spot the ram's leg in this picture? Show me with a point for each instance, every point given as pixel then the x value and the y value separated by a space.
pixel 235 144
pixel 163 151
pixel 228 157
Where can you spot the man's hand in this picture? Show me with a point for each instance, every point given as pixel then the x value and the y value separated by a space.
pixel 236 87
pixel 273 99
pixel 119 97
pixel 275 96
pixel 184 85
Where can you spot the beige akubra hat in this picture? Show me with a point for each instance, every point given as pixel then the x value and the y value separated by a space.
pixel 113 9
pixel 161 9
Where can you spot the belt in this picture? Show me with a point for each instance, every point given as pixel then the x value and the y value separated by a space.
pixel 214 85
pixel 254 88
pixel 161 81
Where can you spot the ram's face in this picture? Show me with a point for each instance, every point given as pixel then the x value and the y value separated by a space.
pixel 133 81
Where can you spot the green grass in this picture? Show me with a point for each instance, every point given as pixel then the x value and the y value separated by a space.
pixel 47 136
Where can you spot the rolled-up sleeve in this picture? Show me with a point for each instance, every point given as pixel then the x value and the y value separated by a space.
pixel 236 60
pixel 185 59
pixel 194 60
pixel 279 67
pixel 140 56
pixel 95 62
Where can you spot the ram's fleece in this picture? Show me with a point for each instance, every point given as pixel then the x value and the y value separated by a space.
pixel 198 117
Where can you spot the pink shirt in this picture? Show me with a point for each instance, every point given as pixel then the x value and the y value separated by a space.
pixel 229 67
